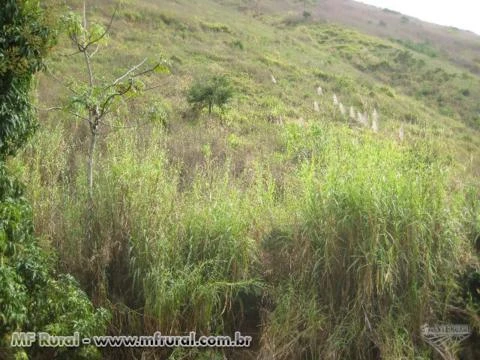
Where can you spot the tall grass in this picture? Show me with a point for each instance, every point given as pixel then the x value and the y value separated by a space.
pixel 342 253
pixel 381 242
pixel 183 253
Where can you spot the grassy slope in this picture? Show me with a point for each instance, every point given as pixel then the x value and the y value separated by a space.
pixel 211 210
pixel 405 86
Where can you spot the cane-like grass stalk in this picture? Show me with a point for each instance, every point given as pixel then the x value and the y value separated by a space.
pixel 335 100
pixel 352 113
pixel 362 119
pixel 349 251
pixel 401 134
pixel 375 121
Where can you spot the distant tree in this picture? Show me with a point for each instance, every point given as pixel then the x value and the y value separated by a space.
pixel 210 92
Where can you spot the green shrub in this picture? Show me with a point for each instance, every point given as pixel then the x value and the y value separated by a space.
pixel 215 27
pixel 210 92
pixel 237 44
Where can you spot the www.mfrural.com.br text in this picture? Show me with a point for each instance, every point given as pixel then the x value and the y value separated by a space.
pixel 44 339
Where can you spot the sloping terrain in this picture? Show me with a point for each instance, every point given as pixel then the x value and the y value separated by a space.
pixel 460 47
pixel 328 210
pixel 406 86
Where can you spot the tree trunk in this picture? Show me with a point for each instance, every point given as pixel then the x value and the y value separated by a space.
pixel 90 163
pixel 94 242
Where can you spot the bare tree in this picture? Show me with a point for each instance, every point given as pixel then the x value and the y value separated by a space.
pixel 93 101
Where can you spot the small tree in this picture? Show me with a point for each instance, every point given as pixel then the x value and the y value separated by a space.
pixel 94 101
pixel 210 92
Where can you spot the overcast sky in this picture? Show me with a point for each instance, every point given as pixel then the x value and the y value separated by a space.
pixel 463 14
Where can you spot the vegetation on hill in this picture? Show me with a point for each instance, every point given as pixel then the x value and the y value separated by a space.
pixel 328 209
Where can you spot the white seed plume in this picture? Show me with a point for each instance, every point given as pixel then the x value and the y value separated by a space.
pixel 375 120
pixel 375 125
pixel 342 109
pixel 319 91
pixel 365 119
pixel 274 80
pixel 375 115
pixel 401 133
pixel 316 108
pixel 359 117
pixel 352 113
pixel 362 119
pixel 335 99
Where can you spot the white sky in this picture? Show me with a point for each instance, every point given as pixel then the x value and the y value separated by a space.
pixel 463 14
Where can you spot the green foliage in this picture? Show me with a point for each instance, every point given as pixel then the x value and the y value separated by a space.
pixel 158 112
pixel 210 92
pixel 26 37
pixel 73 313
pixel 100 97
pixel 238 44
pixel 424 47
pixel 32 298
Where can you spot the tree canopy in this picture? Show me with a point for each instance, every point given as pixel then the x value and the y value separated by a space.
pixel 26 38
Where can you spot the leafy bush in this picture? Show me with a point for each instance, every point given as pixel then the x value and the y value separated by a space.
pixel 307 15
pixel 210 92
pixel 32 297
pixel 25 40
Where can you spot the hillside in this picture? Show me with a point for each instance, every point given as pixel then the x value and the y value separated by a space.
pixel 460 47
pixel 406 86
pixel 280 215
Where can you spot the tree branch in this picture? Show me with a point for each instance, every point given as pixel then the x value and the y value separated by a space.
pixel 48 109
pixel 107 101
pixel 105 32
pixel 152 69
pixel 132 69
pixel 61 109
